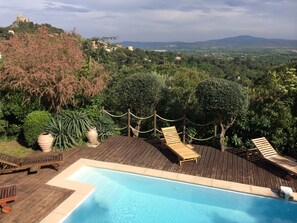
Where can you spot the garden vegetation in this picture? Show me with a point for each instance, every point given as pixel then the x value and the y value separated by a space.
pixel 250 94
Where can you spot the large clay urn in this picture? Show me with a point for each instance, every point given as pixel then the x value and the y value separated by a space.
pixel 92 136
pixel 45 141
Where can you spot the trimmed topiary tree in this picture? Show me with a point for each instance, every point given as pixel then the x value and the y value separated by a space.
pixel 224 100
pixel 140 92
pixel 34 124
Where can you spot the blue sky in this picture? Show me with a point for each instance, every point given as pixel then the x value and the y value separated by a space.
pixel 161 20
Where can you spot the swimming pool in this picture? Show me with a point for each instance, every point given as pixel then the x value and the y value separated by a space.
pixel 123 197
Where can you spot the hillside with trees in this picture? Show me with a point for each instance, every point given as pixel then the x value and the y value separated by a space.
pixel 24 25
pixel 72 78
pixel 230 42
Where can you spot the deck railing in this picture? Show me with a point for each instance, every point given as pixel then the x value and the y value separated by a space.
pixel 155 129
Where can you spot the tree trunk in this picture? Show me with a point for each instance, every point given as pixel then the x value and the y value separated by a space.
pixel 222 137
pixel 224 128
pixel 137 129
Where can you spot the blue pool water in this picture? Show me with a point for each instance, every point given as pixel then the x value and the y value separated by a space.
pixel 129 198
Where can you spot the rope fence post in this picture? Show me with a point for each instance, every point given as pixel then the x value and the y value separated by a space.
pixel 129 120
pixel 184 129
pixel 155 130
pixel 215 133
pixel 155 123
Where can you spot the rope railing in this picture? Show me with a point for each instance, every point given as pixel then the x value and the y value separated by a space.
pixel 155 130
pixel 159 131
pixel 205 139
pixel 141 118
pixel 136 130
pixel 120 129
pixel 200 125
pixel 169 120
pixel 115 116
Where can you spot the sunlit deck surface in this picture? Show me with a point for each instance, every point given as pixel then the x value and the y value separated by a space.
pixel 35 199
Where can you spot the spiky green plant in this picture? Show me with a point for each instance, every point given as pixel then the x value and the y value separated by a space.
pixel 68 129
pixel 75 122
pixel 62 138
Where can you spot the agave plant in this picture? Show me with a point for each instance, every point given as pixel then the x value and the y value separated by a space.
pixel 62 138
pixel 68 128
pixel 76 123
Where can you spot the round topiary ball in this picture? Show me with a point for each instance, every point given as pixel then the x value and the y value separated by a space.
pixel 34 124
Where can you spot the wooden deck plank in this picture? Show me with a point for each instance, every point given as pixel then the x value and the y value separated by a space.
pixel 202 151
pixel 215 167
pixel 220 167
pixel 203 162
pixel 231 163
pixel 35 199
pixel 250 173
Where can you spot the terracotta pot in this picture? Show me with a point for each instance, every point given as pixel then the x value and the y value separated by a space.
pixel 92 136
pixel 6 209
pixel 45 141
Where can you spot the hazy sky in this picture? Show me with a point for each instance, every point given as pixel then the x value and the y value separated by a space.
pixel 161 20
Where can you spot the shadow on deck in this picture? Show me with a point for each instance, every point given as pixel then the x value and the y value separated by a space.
pixel 35 199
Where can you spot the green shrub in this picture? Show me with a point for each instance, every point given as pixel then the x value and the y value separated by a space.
pixel 13 130
pixel 3 126
pixel 191 132
pixel 15 109
pixel 34 123
pixel 105 126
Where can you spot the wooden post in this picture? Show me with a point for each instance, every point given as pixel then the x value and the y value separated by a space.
pixel 129 120
pixel 215 130
pixel 155 123
pixel 184 129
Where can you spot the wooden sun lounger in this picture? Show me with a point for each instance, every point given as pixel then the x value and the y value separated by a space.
pixel 173 142
pixel 33 163
pixel 269 153
pixel 7 194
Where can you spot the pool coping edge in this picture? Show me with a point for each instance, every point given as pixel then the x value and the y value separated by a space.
pixel 82 190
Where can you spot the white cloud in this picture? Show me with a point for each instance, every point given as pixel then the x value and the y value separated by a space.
pixel 167 20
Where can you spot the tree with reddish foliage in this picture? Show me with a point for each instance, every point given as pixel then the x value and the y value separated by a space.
pixel 49 66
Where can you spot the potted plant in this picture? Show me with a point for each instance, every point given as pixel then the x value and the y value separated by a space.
pixel 34 125
pixel 45 141
pixel 92 136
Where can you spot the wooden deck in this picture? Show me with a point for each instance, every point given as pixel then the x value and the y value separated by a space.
pixel 35 199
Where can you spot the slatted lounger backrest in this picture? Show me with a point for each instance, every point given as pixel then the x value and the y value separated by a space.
pixel 7 191
pixel 170 134
pixel 264 147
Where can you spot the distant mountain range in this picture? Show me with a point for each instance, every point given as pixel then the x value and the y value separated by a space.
pixel 231 42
